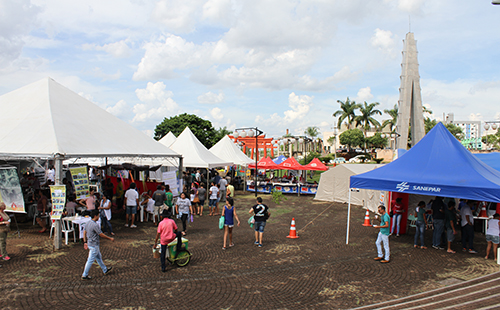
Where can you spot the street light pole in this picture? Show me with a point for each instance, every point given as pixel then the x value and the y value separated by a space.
pixel 251 132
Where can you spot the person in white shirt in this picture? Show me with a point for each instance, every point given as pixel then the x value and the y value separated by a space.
pixel 212 202
pixel 105 213
pixel 131 204
pixel 492 235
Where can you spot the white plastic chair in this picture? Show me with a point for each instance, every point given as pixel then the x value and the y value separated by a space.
pixel 53 226
pixel 68 228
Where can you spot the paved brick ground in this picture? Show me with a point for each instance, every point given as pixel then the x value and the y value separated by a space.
pixel 316 271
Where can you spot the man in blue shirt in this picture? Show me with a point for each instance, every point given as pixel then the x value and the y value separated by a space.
pixel 383 236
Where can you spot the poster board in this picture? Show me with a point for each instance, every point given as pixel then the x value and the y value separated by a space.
pixel 58 197
pixel 80 181
pixel 10 190
pixel 170 178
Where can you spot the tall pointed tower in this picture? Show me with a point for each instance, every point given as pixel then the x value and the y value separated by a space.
pixel 410 100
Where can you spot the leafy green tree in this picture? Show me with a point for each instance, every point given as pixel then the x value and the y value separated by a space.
pixel 393 113
pixel 491 141
pixel 219 134
pixel 455 131
pixel 312 132
pixel 352 138
pixel 429 124
pixel 376 141
pixel 366 118
pixel 347 112
pixel 201 128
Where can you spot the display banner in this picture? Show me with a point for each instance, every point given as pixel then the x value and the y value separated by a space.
pixel 10 190
pixel 308 189
pixel 170 178
pixel 80 181
pixel 58 196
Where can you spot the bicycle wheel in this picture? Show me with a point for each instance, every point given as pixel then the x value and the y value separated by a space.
pixel 183 258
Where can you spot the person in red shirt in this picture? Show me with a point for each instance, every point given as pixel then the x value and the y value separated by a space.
pixel 397 214
pixel 167 232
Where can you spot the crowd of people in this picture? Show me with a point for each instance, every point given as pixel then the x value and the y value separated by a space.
pixel 447 220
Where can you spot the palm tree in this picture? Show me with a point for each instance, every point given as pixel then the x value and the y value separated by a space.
pixel 366 118
pixel 312 132
pixel 393 113
pixel 347 111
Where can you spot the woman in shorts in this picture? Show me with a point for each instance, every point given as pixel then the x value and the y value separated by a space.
pixel 229 213
pixel 492 235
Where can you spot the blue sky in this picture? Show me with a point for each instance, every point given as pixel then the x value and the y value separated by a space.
pixel 273 64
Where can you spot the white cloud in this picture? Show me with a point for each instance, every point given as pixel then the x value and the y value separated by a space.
pixel 475 117
pixel 410 6
pixel 364 94
pixel 118 49
pixel 211 98
pixel 105 76
pixel 121 109
pixel 17 18
pixel 178 15
pixel 384 41
pixel 156 103
pixel 216 114
pixel 300 107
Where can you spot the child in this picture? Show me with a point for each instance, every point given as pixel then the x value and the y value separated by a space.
pixel 212 203
pixel 229 213
pixel 492 235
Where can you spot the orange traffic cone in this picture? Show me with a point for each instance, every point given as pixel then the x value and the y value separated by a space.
pixel 483 210
pixel 367 218
pixel 293 232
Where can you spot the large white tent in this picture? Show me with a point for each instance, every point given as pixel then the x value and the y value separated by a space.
pixel 194 153
pixel 45 119
pixel 168 139
pixel 227 150
pixel 334 186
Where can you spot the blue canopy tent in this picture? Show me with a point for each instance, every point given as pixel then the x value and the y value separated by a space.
pixel 491 159
pixel 438 165
pixel 278 160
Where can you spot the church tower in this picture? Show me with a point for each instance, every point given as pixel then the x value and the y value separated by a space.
pixel 410 100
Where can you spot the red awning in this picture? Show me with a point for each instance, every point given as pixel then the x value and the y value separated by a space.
pixel 291 164
pixel 265 163
pixel 315 164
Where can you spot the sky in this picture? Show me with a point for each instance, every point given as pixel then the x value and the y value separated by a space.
pixel 277 65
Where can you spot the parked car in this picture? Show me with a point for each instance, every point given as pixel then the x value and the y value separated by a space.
pixel 358 158
pixel 338 160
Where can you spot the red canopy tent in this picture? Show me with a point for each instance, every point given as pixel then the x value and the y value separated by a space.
pixel 290 164
pixel 315 164
pixel 265 163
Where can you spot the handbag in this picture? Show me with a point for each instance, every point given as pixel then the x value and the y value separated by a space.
pixel 251 221
pixel 196 199
pixel 156 252
pixel 221 222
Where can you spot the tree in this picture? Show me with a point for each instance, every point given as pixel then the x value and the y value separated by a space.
pixel 491 141
pixel 312 132
pixel 201 128
pixel 219 134
pixel 347 111
pixel 393 113
pixel 376 141
pixel 366 118
pixel 352 138
pixel 455 131
pixel 429 124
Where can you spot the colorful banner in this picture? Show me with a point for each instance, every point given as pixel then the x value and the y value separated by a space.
pixel 308 189
pixel 10 190
pixel 58 196
pixel 80 181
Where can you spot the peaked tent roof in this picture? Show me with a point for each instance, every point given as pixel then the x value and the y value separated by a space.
pixel 291 164
pixel 278 160
pixel 168 139
pixel 265 163
pixel 45 118
pixel 227 150
pixel 316 164
pixel 437 165
pixel 196 154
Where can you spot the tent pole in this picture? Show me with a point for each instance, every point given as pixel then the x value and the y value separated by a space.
pixel 59 173
pixel 348 218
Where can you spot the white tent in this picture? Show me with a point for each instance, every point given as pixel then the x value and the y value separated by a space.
pixel 45 119
pixel 334 186
pixel 168 139
pixel 226 149
pixel 196 154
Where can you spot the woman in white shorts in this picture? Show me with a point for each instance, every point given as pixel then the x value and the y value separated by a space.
pixel 492 235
